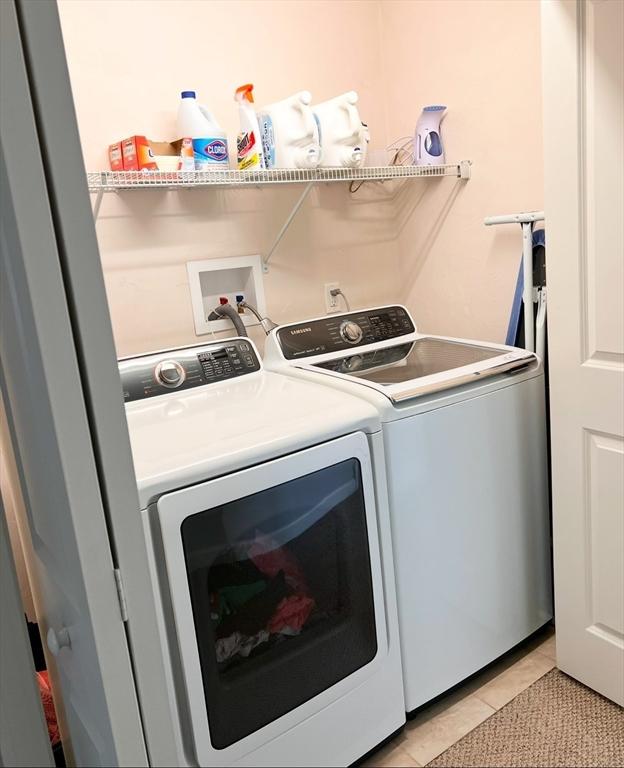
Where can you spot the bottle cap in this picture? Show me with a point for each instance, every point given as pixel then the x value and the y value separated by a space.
pixel 188 95
pixel 244 93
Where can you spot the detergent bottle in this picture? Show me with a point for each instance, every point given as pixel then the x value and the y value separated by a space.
pixel 210 149
pixel 343 136
pixel 290 135
pixel 248 143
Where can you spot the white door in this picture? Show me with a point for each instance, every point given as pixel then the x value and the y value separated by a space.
pixel 56 472
pixel 583 45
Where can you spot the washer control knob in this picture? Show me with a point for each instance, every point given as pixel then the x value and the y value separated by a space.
pixel 351 332
pixel 170 374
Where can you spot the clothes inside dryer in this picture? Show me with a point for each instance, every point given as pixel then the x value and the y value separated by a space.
pixel 413 360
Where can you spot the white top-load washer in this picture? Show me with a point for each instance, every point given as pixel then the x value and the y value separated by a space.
pixel 268 529
pixel 465 445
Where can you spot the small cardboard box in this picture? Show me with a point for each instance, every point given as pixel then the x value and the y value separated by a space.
pixel 139 153
pixel 115 157
pixel 136 154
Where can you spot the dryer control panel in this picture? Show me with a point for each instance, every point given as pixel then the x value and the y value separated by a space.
pixel 179 369
pixel 344 332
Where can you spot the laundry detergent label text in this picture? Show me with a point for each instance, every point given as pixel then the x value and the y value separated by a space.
pixel 268 139
pixel 247 151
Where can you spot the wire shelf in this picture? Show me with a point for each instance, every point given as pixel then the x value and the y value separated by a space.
pixel 110 181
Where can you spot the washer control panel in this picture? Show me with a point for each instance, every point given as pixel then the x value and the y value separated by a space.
pixel 179 369
pixel 339 332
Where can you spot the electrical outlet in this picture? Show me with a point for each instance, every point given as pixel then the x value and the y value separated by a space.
pixel 332 303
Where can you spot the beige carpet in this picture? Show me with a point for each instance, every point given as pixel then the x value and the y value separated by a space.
pixel 556 722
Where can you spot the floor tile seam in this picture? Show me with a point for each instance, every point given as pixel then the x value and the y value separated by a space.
pixel 441 714
pixel 507 671
pixel 478 725
pixel 526 688
pixel 545 655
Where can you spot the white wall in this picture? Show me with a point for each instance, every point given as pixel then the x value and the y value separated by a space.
pixel 127 83
pixel 422 242
pixel 482 58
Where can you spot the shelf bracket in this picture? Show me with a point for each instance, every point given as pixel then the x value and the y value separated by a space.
pixel 465 169
pixel 98 202
pixel 287 223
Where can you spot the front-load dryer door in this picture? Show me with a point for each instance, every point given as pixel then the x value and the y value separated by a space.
pixel 276 590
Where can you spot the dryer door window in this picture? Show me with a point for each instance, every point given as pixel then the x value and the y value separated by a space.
pixel 281 590
pixel 282 594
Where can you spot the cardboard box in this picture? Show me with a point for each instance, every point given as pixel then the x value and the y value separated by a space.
pixel 115 157
pixel 187 157
pixel 139 153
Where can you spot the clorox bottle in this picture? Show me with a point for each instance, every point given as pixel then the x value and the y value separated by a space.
pixel 289 132
pixel 197 122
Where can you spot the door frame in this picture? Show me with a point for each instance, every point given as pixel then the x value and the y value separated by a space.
pixel 61 389
pixel 87 303
pixel 52 445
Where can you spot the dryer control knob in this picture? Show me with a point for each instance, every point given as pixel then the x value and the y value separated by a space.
pixel 170 374
pixel 351 332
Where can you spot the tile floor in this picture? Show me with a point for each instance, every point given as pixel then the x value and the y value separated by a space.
pixel 437 727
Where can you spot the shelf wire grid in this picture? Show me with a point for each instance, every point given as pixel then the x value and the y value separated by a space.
pixel 110 181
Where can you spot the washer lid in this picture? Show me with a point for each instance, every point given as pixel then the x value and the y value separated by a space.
pixel 425 365
pixel 380 349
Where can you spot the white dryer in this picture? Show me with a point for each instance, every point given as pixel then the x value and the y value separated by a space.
pixel 465 445
pixel 268 529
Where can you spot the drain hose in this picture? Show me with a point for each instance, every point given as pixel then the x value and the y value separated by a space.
pixel 227 310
